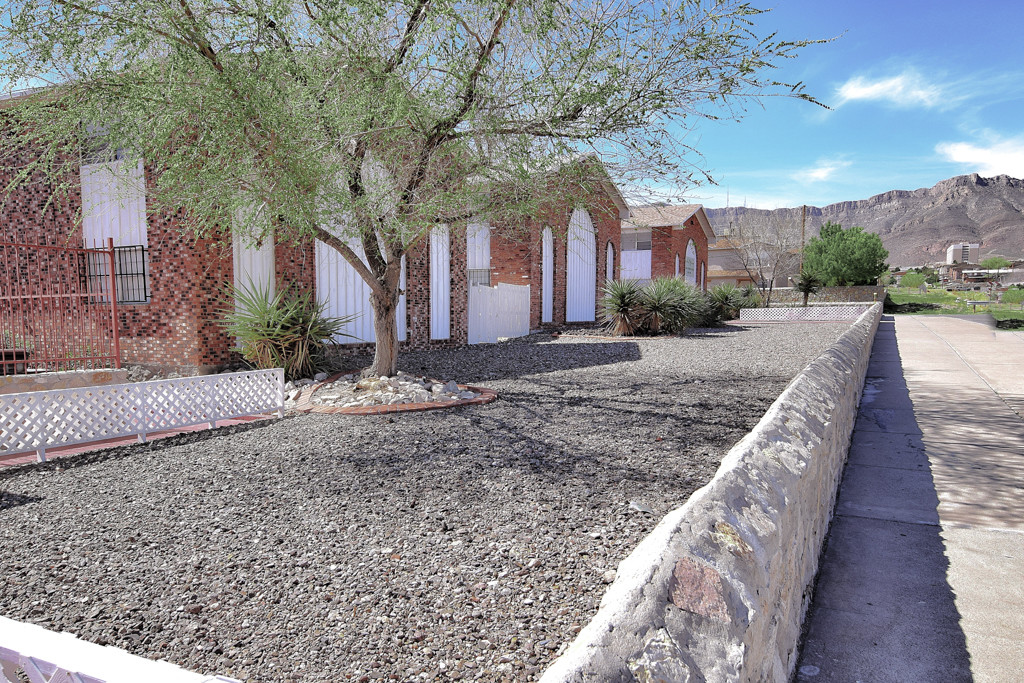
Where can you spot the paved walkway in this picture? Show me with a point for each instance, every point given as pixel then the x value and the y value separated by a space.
pixel 923 575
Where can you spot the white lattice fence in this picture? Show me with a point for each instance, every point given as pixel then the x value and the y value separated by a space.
pixel 37 420
pixel 803 314
pixel 51 657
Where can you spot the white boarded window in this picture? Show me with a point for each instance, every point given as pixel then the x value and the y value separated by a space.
pixel 677 265
pixel 547 283
pixel 440 283
pixel 478 253
pixel 114 207
pixel 609 263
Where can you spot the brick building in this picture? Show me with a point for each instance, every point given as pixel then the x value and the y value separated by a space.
pixel 667 241
pixel 175 285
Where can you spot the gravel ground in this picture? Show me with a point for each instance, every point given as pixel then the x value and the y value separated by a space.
pixel 470 543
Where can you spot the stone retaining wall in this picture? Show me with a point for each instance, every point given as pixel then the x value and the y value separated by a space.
pixel 719 589
pixel 864 293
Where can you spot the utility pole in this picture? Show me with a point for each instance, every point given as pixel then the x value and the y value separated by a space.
pixel 803 225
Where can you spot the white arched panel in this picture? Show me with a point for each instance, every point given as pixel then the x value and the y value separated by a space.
pixel 547 284
pixel 691 263
pixel 609 263
pixel 344 293
pixel 440 283
pixel 703 276
pixel 677 265
pixel 580 269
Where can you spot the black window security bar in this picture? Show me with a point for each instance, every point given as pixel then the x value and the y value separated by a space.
pixel 131 275
pixel 480 276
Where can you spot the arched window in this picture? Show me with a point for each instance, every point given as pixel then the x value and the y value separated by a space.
pixel 691 263
pixel 609 262
pixel 677 264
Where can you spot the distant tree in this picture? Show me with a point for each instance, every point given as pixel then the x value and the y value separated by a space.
pixel 766 251
pixel 808 283
pixel 846 256
pixel 912 280
pixel 1014 296
pixel 995 263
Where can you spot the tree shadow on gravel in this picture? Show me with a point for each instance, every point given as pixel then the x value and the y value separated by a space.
pixel 13 500
pixel 513 359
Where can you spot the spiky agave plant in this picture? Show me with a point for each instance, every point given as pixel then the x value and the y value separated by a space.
pixel 728 299
pixel 284 329
pixel 621 311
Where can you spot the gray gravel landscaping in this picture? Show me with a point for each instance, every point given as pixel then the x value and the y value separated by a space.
pixel 470 543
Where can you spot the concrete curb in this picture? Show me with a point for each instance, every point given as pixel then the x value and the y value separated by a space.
pixel 718 590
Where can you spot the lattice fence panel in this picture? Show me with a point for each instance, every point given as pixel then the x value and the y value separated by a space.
pixel 35 421
pixel 803 314
pixel 43 656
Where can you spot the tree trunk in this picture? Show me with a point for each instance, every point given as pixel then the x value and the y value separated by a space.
pixel 385 324
pixel 807 295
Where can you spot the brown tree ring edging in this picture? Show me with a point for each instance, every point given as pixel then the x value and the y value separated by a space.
pixel 304 404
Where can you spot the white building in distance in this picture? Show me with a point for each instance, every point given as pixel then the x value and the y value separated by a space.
pixel 963 253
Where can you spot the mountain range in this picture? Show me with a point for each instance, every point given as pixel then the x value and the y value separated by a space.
pixel 916 226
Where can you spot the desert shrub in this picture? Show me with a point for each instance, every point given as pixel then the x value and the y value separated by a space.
pixel 286 329
pixel 751 296
pixel 621 309
pixel 727 299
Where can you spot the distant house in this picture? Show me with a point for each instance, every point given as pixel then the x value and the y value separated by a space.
pixel 725 265
pixel 667 241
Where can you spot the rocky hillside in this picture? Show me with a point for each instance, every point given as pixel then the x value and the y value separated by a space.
pixel 916 226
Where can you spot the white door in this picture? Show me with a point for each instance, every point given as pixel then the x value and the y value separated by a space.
pixel 344 292
pixel 547 284
pixel 580 269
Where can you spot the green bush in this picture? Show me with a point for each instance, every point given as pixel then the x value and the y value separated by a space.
pixel 912 280
pixel 665 305
pixel 620 307
pixel 751 296
pixel 282 330
pixel 728 299
pixel 1014 296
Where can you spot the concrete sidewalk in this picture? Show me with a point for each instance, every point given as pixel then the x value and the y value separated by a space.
pixel 923 575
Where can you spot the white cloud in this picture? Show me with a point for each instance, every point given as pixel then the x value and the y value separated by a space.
pixel 907 89
pixel 824 170
pixel 998 157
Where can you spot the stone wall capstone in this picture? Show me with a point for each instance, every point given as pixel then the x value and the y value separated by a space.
pixel 719 589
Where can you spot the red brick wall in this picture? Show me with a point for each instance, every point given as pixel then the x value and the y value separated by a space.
pixel 666 242
pixel 518 260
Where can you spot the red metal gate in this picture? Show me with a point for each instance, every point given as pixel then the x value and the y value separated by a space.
pixel 58 308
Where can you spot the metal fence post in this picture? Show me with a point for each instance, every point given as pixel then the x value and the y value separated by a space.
pixel 115 328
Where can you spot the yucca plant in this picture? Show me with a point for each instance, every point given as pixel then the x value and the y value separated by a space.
pixel 751 296
pixel 808 283
pixel 286 329
pixel 621 309
pixel 684 305
pixel 728 299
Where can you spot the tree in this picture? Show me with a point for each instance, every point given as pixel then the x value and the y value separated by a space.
pixel 766 251
pixel 368 123
pixel 912 280
pixel 808 283
pixel 846 257
pixel 995 263
pixel 1014 296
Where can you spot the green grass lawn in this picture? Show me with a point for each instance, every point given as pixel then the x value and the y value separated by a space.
pixel 940 302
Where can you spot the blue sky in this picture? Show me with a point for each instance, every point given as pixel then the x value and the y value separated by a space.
pixel 920 91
